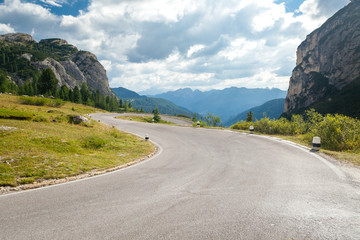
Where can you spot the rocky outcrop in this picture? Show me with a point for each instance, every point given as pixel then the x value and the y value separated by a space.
pixel 71 67
pixel 328 61
pixel 92 70
pixel 17 37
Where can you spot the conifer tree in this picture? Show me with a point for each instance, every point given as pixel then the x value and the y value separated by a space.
pixel 47 82
pixel 76 95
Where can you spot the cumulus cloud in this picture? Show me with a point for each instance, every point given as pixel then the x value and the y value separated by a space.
pixel 6 28
pixel 28 17
pixel 164 45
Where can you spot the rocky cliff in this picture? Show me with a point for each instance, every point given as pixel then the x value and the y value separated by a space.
pixel 327 71
pixel 71 66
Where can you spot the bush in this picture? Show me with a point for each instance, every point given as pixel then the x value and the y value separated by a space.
pixel 14 114
pixel 243 125
pixel 40 101
pixel 337 132
pixel 36 101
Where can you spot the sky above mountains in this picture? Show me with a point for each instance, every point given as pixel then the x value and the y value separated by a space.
pixel 152 46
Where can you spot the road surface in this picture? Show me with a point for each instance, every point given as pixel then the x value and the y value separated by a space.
pixel 203 184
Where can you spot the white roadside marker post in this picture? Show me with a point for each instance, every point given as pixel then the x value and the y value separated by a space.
pixel 146 137
pixel 251 128
pixel 316 143
pixel 152 120
pixel 198 124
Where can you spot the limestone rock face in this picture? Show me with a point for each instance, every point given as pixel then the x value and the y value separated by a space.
pixel 93 71
pixel 327 61
pixel 71 67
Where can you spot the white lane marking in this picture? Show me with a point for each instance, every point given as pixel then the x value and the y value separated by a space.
pixel 336 170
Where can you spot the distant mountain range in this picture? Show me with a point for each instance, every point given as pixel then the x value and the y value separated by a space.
pixel 224 103
pixel 272 109
pixel 149 103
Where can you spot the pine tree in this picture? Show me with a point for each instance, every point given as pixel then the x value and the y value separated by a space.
pixel 250 117
pixel 156 113
pixel 64 93
pixel 47 82
pixel 3 83
pixel 76 95
pixel 85 93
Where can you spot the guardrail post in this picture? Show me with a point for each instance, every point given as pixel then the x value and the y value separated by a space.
pixel 251 128
pixel 316 143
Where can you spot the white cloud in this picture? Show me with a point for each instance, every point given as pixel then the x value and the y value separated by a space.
pixel 193 49
pixel 6 28
pixel 315 12
pixel 268 16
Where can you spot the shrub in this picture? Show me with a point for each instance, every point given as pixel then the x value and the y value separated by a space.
pixel 243 125
pixel 337 132
pixel 14 114
pixel 40 101
pixel 36 101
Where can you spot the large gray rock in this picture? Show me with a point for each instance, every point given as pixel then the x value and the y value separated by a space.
pixel 79 119
pixel 327 61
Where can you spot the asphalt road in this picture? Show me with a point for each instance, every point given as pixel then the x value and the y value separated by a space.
pixel 203 184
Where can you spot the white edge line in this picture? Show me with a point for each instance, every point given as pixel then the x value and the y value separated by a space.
pixel 336 170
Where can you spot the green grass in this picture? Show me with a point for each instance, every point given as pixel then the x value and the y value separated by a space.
pixel 47 146
pixel 15 114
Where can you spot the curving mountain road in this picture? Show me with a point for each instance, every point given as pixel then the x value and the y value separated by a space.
pixel 203 184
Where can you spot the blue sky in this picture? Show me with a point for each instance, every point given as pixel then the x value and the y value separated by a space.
pixel 152 46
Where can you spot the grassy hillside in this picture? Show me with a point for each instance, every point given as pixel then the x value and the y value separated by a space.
pixel 40 142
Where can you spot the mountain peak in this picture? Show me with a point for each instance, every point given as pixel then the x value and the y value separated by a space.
pixel 17 37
